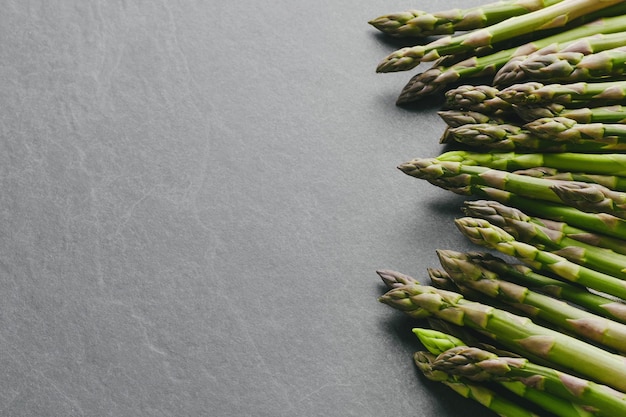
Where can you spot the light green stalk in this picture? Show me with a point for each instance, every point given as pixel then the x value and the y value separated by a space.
pixel 578 36
pixel 578 295
pixel 555 16
pixel 609 164
pixel 483 233
pixel 602 114
pixel 594 93
pixel 578 356
pixel 455 174
pixel 519 225
pixel 513 71
pixel 593 198
pixel 589 326
pixel 480 365
pixel 418 23
pixel 604 229
pixel 471 390
pixel 568 130
pixel 437 343
pixel 575 66
pixel 508 137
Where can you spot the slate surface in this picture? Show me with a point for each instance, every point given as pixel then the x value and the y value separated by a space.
pixel 195 196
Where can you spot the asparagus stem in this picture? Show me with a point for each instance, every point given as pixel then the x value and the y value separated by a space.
pixel 437 343
pixel 595 93
pixel 602 114
pixel 418 23
pixel 578 295
pixel 575 66
pixel 609 164
pixel 455 174
pixel 513 71
pixel 520 226
pixel 555 16
pixel 502 63
pixel 483 233
pixel 581 357
pixel 461 269
pixel 592 198
pixel 595 223
pixel 506 137
pixel 471 390
pixel 480 365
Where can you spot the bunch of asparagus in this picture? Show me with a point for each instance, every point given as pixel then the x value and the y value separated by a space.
pixel 578 38
pixel 540 151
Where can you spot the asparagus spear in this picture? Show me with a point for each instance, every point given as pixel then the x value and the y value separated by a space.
pixel 479 98
pixel 564 129
pixel 520 226
pixel 595 93
pixel 483 233
pixel 480 365
pixel 609 164
pixel 575 66
pixel 510 137
pixel 592 198
pixel 513 71
pixel 592 224
pixel 454 174
pixel 578 356
pixel 418 23
pixel 601 114
pixel 437 343
pixel 471 390
pixel 554 16
pixel 587 237
pixel 456 118
pixel 501 63
pixel 578 295
pixel 611 182
pixel 590 326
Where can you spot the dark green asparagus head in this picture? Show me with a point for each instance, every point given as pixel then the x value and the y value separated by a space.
pixel 591 197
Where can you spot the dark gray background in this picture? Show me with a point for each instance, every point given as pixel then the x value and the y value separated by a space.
pixel 195 196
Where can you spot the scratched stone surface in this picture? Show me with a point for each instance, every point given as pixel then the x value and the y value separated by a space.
pixel 194 199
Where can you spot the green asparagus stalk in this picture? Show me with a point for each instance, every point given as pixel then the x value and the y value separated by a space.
pixel 611 182
pixel 560 232
pixel 456 118
pixel 418 23
pixel 437 343
pixel 595 93
pixel 555 16
pixel 519 225
pixel 602 164
pixel 483 233
pixel 471 390
pixel 501 63
pixel 508 137
pixel 575 66
pixel 609 333
pixel 478 98
pixel 455 174
pixel 578 295
pixel 592 225
pixel 480 365
pixel 592 198
pixel 601 114
pixel 564 129
pixel 566 351
pixel 512 72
